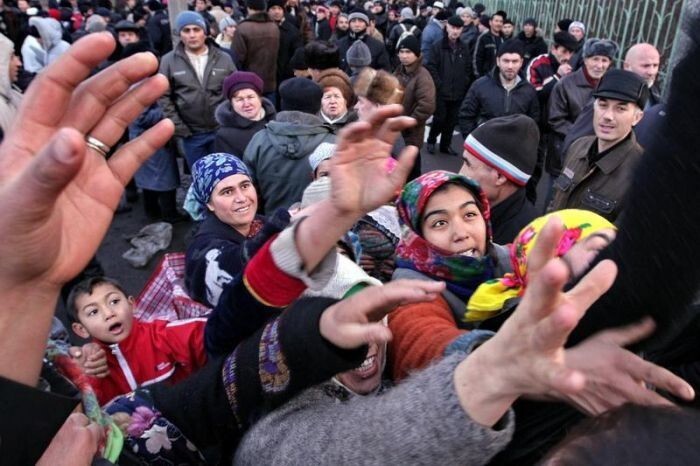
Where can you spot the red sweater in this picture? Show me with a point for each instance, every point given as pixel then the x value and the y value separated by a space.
pixel 153 352
pixel 421 332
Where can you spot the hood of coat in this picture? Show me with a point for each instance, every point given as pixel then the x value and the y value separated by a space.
pixel 49 30
pixel 228 118
pixel 296 134
pixel 7 50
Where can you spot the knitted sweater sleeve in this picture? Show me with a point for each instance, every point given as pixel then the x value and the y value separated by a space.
pixel 421 332
pixel 419 422
pixel 657 250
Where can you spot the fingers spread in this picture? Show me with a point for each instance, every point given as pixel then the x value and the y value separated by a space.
pixel 130 157
pixel 127 108
pixel 404 166
pixel 593 285
pixel 97 94
pixel 625 336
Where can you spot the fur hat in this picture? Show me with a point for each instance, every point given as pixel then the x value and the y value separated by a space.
pixel 566 40
pixel 379 87
pixel 301 94
pixel 411 43
pixel 242 80
pixel 358 55
pixel 334 77
pixel 602 47
pixel 508 144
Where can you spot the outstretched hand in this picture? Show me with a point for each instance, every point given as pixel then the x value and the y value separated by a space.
pixel 353 322
pixel 58 197
pixel 527 356
pixel 360 181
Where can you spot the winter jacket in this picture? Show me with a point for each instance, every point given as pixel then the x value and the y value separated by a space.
pixel 298 17
pixel 158 28
pixel 418 99
pixel 159 172
pixel 432 34
pixel 380 57
pixel 236 131
pixel 451 69
pixel 469 35
pixel 190 104
pixel 487 99
pixel 256 44
pixel 511 215
pixel 321 423
pixel 52 43
pixel 218 253
pixel 600 187
pixel 485 51
pixel 278 157
pixel 541 72
pixel 153 352
pixel 534 46
pixel 322 30
pixel 569 96
pixel 349 117
pixel 290 41
pixel 10 96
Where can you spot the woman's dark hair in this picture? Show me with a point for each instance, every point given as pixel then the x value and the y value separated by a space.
pixel 632 434
pixel 321 55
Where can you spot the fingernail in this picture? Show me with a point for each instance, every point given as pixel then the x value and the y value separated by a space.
pixel 64 150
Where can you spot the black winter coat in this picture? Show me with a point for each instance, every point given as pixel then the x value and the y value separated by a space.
pixel 485 52
pixel 290 41
pixel 380 57
pixel 534 46
pixel 487 99
pixel 236 131
pixel 451 69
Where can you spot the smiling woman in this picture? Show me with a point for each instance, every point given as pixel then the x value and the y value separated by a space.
pixel 223 198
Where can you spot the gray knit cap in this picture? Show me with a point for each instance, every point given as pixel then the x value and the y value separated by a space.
pixel 359 15
pixel 358 55
pixel 323 151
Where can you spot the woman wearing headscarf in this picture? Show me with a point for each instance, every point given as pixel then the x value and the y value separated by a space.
pixel 222 197
pixel 244 112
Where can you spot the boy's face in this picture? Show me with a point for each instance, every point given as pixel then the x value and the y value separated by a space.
pixel 105 315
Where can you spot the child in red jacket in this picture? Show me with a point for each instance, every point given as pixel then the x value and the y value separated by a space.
pixel 138 353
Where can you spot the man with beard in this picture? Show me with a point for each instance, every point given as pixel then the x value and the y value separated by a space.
pixel 358 31
pixel 501 92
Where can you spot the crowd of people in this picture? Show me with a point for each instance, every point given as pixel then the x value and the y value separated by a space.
pixel 347 307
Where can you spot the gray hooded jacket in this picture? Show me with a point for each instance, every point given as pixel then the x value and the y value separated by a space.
pixel 278 157
pixel 10 97
pixel 52 44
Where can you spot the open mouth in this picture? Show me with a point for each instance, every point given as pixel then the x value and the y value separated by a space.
pixel 472 252
pixel 116 328
pixel 242 210
pixel 368 368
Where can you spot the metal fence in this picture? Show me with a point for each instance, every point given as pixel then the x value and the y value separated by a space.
pixel 627 22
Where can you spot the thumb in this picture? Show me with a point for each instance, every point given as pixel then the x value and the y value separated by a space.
pixel 351 336
pixel 48 174
pixel 75 352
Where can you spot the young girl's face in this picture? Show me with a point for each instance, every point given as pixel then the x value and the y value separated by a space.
pixel 452 222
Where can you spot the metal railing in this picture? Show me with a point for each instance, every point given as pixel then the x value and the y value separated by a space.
pixel 627 22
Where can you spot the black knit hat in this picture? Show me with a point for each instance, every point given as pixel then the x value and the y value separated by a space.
pixel 455 21
pixel 563 24
pixel 257 5
pixel 623 85
pixel 512 46
pixel 302 95
pixel 566 40
pixel 279 3
pixel 409 42
pixel 508 144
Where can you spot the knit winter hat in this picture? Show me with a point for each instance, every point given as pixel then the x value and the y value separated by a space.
pixel 317 191
pixel 508 144
pixel 189 18
pixel 442 15
pixel 455 21
pixel 563 24
pixel 334 77
pixel 242 80
pixel 577 24
pixel 512 46
pixel 359 15
pixel 409 42
pixel 257 5
pixel 566 40
pixel 226 22
pixel 358 55
pixel 207 172
pixel 298 60
pixel 378 87
pixel 301 94
pixel 279 3
pixel 323 151
pixel 602 47
pixel 407 13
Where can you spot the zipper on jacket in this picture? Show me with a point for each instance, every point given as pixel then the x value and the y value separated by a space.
pixel 124 365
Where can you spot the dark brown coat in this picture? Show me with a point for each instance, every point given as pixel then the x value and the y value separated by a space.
pixel 418 99
pixel 256 44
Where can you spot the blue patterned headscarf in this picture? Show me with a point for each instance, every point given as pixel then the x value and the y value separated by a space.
pixel 206 174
